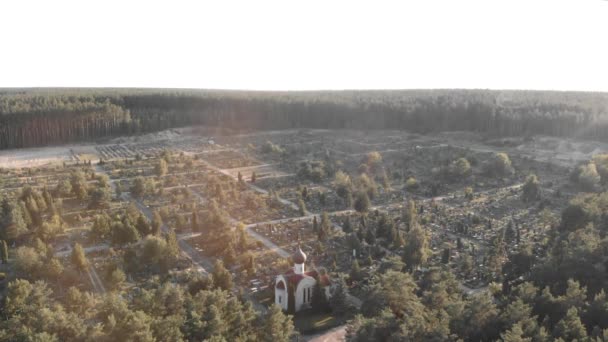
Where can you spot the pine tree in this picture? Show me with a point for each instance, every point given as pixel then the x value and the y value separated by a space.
pixel 319 301
pixel 277 326
pixel 142 225
pixel 221 277
pixel 346 226
pixel 4 251
pixel 355 271
pixel 161 168
pixel 571 328
pixel 410 215
pixel 229 255
pixel 172 245
pixel 362 202
pixel 301 207
pixel 416 249
pixel 325 223
pixel 339 298
pixel 398 240
pixel 79 185
pixel 116 278
pixel 195 225
pixel 101 228
pixel 348 200
pixel 445 256
pixel 157 223
pixel 370 237
pixel 14 222
pixel 78 258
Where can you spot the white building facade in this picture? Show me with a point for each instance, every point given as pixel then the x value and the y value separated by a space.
pixel 299 281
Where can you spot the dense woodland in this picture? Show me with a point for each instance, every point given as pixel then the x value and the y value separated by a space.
pixel 37 117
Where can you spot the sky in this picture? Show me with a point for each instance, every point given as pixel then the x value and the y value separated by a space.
pixel 306 45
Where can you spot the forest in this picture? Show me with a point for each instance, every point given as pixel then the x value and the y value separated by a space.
pixel 40 117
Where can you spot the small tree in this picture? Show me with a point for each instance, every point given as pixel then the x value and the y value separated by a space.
pixel 410 215
pixel 142 225
pixel 339 298
pixel 101 228
pixel 325 223
pixel 277 326
pixel 416 249
pixel 348 201
pixel 588 177
pixel 117 278
pixel 445 256
pixel 343 184
pixel 157 223
pixel 195 225
pixel 531 189
pixel 301 207
pixel 370 236
pixel 355 271
pixel 460 169
pixel 4 251
pixel 347 226
pixel 362 202
pixel 570 328
pixel 78 258
pixel 118 190
pixel 124 233
pixel 500 165
pixel 373 160
pixel 138 189
pixel 411 184
pixel 386 184
pixel 319 301
pixel 79 185
pixel 161 168
pixel 64 188
pixel 468 193
pixel 221 277
pixel 100 198
pixel 54 269
pixel 172 246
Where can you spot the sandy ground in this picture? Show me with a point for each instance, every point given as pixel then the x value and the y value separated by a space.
pixel 566 152
pixel 333 335
pixel 169 134
pixel 39 156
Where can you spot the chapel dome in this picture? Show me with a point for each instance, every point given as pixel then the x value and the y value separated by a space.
pixel 299 257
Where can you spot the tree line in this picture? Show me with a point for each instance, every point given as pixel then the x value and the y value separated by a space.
pixel 37 117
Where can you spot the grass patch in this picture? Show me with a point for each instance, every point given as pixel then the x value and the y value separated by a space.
pixel 308 322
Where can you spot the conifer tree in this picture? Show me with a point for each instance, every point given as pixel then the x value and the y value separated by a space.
pixel 78 258
pixel 4 251
pixel 277 326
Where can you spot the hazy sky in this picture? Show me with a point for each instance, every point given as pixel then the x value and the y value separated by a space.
pixel 254 44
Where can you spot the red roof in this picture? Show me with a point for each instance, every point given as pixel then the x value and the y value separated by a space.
pixel 295 279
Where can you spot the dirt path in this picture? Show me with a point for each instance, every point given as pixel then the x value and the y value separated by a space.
pixel 336 334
